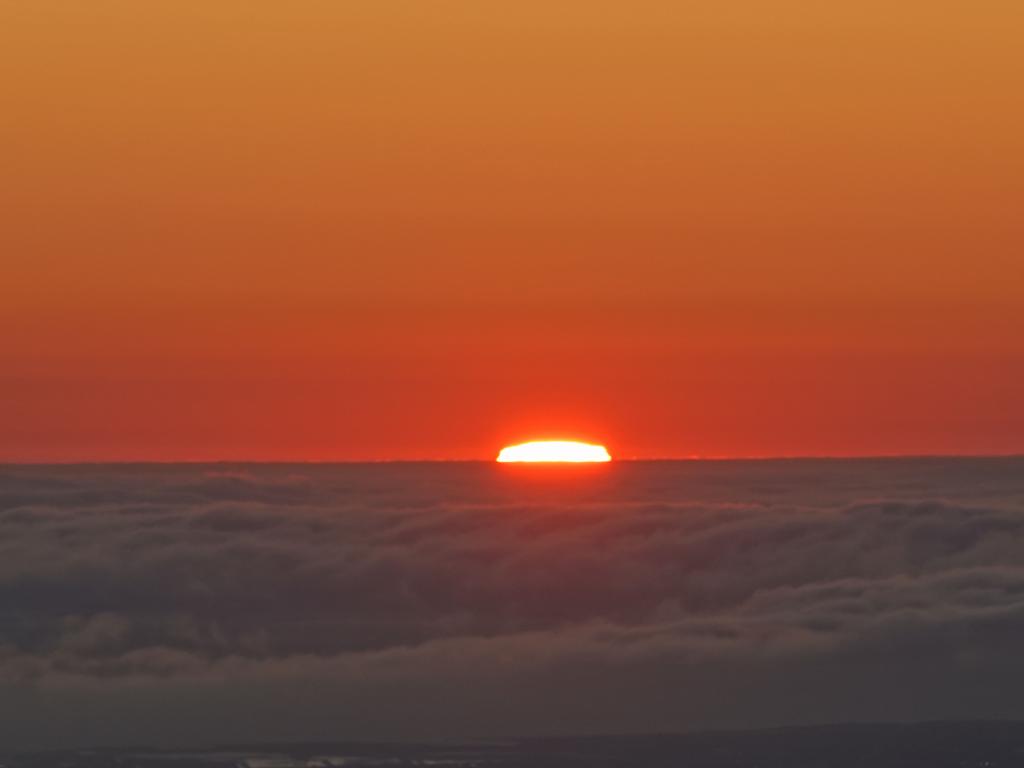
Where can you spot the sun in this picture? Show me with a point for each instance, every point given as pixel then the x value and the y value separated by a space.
pixel 554 450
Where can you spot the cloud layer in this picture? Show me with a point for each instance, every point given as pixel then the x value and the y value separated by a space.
pixel 206 603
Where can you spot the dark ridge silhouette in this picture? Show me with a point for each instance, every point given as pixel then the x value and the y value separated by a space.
pixel 972 744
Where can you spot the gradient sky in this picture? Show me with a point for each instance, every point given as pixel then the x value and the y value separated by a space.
pixel 407 229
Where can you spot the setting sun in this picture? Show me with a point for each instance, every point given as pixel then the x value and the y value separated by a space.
pixel 554 450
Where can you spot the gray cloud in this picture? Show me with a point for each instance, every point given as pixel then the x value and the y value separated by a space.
pixel 211 602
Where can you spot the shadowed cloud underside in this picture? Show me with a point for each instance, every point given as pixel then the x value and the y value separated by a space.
pixel 155 604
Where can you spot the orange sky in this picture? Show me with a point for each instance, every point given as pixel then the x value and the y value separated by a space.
pixel 341 230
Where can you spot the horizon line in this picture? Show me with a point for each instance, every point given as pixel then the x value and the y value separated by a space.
pixel 614 460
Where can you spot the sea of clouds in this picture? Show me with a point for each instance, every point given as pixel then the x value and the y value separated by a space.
pixel 213 603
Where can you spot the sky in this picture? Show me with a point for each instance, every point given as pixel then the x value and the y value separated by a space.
pixel 390 230
pixel 186 605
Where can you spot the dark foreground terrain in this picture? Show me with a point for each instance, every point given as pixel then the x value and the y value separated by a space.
pixel 927 745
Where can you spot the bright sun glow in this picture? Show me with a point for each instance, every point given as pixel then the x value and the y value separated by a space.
pixel 554 450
